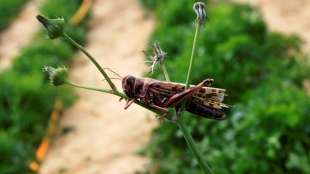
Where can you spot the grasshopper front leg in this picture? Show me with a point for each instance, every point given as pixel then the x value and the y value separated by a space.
pixel 129 103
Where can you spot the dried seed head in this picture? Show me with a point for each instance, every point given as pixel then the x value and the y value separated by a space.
pixel 158 55
pixel 54 27
pixel 57 76
pixel 199 8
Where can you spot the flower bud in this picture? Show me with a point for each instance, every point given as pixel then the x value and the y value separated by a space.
pixel 199 8
pixel 57 76
pixel 54 27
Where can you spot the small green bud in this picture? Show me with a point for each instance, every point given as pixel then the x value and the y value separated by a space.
pixel 199 8
pixel 54 27
pixel 57 76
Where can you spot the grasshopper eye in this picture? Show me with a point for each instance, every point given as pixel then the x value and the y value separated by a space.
pixel 128 84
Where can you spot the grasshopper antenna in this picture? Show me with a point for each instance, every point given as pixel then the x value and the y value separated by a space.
pixel 113 78
pixel 115 73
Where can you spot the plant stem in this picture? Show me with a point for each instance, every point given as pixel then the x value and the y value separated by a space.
pixel 92 59
pixel 192 146
pixel 189 139
pixel 166 74
pixel 90 88
pixel 189 72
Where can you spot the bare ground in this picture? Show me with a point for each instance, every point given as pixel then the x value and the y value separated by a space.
pixel 19 33
pixel 106 137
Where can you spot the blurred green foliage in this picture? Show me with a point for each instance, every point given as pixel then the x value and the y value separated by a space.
pixel 9 9
pixel 26 98
pixel 268 124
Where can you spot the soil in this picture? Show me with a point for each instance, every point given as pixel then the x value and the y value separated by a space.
pixel 19 33
pixel 105 137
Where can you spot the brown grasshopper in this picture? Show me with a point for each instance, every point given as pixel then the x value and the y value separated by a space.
pixel 201 99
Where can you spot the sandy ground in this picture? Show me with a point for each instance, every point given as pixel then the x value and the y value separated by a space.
pixel 18 34
pixel 291 16
pixel 106 137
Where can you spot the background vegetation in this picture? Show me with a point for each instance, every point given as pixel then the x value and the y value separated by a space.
pixel 26 98
pixel 268 124
pixel 9 10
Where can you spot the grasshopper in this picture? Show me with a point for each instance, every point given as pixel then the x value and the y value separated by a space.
pixel 201 99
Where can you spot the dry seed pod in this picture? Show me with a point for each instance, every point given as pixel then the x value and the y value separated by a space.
pixel 158 55
pixel 199 8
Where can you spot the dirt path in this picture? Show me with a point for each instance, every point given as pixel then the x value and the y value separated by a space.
pixel 287 16
pixel 105 137
pixel 19 33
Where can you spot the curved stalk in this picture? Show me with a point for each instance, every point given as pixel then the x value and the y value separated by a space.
pixel 92 59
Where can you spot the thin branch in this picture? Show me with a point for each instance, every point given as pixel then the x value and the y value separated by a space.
pixel 92 59
pixel 166 74
pixel 189 72
pixel 89 88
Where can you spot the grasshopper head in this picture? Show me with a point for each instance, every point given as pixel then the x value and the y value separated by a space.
pixel 128 84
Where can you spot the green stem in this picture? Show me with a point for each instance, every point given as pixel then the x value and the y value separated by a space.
pixel 90 88
pixel 192 146
pixel 189 139
pixel 92 59
pixel 189 72
pixel 166 74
